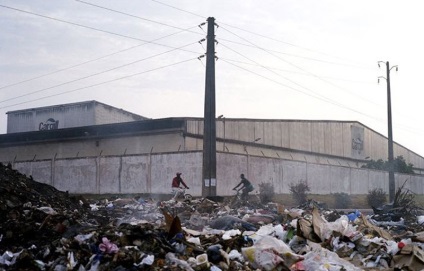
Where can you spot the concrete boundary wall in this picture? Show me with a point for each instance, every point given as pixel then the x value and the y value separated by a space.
pixel 152 173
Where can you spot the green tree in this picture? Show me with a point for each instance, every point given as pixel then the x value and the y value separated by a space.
pixel 399 165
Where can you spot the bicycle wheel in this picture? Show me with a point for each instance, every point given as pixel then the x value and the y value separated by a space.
pixel 188 197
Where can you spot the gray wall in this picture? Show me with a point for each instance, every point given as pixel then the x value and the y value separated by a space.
pixel 152 173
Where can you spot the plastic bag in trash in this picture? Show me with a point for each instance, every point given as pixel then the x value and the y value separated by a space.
pixel 269 252
pixel 266 230
pixel 353 216
pixel 170 257
pixel 229 234
pixel 420 219
pixel 280 232
pixel 9 258
pixel 321 259
pixel 235 255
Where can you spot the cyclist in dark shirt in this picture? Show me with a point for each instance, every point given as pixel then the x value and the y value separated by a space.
pixel 245 186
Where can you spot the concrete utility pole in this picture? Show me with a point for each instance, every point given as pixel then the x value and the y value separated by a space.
pixel 209 127
pixel 389 132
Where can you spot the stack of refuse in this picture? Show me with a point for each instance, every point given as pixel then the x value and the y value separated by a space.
pixel 42 228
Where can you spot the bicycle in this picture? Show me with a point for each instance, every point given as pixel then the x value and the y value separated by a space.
pixel 239 199
pixel 181 194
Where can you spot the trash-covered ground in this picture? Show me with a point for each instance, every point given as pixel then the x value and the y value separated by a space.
pixel 42 228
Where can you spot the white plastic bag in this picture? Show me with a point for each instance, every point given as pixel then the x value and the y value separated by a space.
pixel 269 252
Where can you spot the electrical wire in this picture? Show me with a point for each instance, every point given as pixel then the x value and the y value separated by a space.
pixel 285 78
pixel 180 9
pixel 90 61
pixel 268 51
pixel 301 73
pixel 102 83
pixel 92 75
pixel 138 17
pixel 89 27
pixel 306 58
pixel 293 45
pixel 322 98
pixel 269 69
pixel 257 34
pixel 293 55
pixel 316 96
pixel 146 42
pixel 300 68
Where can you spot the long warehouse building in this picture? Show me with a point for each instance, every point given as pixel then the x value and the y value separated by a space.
pixel 91 147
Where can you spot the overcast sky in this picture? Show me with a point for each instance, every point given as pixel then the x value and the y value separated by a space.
pixel 287 59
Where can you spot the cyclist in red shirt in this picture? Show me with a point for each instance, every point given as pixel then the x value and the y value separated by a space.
pixel 176 182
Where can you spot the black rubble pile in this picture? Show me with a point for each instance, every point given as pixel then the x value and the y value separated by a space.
pixel 42 228
pixel 32 212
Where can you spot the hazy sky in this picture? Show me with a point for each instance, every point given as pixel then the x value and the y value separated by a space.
pixel 287 59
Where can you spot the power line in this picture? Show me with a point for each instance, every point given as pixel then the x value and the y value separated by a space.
pixel 292 81
pixel 256 46
pixel 300 68
pixel 138 17
pixel 251 32
pixel 293 55
pixel 297 72
pixel 322 98
pixel 306 93
pixel 288 43
pixel 90 61
pixel 180 9
pixel 85 77
pixel 127 14
pixel 303 87
pixel 308 74
pixel 89 27
pixel 102 83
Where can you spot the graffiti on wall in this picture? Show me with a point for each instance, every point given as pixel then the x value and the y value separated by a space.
pixel 357 141
pixel 50 124
pixel 357 144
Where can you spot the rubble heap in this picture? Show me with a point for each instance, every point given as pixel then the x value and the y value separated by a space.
pixel 42 228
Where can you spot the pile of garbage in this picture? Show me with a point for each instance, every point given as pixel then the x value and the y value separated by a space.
pixel 42 228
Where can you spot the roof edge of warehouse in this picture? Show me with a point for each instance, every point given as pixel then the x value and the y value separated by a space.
pixel 74 104
pixel 147 126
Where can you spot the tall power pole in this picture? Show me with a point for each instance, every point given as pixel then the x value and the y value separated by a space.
pixel 390 133
pixel 209 127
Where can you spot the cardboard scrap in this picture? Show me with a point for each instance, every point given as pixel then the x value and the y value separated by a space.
pixel 414 261
pixel 383 233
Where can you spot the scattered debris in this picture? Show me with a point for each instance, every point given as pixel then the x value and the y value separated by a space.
pixel 42 228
